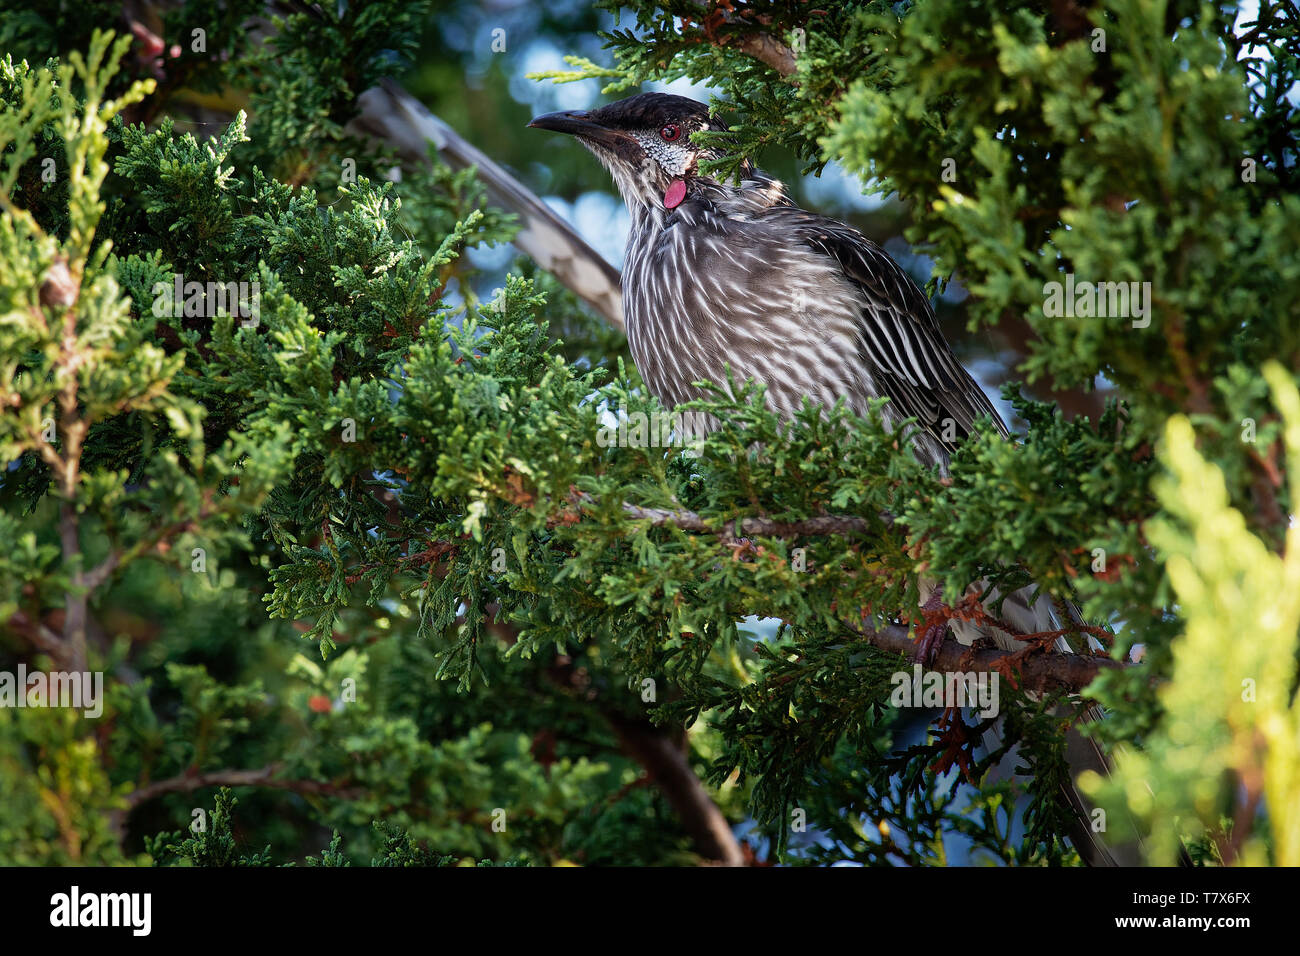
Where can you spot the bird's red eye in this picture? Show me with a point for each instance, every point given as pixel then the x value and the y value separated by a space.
pixel 670 132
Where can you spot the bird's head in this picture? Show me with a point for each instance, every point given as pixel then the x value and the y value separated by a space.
pixel 645 143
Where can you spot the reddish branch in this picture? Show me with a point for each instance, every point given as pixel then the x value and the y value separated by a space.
pixel 41 636
pixel 196 780
pixel 1040 673
pixel 434 553
pixel 1036 667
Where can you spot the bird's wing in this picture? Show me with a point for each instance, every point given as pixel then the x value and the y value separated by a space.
pixel 900 334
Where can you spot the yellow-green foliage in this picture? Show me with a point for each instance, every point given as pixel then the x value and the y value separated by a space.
pixel 1230 715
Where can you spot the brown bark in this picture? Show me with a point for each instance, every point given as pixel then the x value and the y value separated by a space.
pixel 1048 671
pixel 665 760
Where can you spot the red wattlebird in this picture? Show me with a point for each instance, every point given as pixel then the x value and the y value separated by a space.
pixel 720 274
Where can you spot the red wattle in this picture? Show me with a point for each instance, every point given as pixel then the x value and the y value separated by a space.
pixel 675 194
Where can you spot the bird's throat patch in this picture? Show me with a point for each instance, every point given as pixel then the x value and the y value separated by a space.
pixel 674 194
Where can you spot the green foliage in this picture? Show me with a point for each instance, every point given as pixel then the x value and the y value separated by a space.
pixel 215 844
pixel 212 845
pixel 370 551
pixel 1230 712
pixel 1134 141
pixel 205 445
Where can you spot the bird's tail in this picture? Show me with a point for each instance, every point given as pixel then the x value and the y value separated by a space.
pixel 1024 616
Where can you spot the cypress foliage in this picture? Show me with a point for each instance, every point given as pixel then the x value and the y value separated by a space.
pixel 328 440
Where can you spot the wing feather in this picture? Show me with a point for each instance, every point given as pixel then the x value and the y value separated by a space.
pixel 900 334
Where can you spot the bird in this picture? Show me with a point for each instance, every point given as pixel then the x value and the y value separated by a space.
pixel 721 274
pixel 731 275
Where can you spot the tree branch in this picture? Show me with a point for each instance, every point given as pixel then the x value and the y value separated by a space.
pixel 196 780
pixel 667 764
pixel 1041 673
pixel 389 113
pixel 756 527
pixel 662 754
pixel 260 777
pixel 44 638
pixel 768 49
pixel 1036 672
pixel 721 28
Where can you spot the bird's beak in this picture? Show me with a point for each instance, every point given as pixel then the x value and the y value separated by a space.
pixel 579 123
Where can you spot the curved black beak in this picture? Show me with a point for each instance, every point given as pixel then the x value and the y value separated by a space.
pixel 565 121
pixel 579 123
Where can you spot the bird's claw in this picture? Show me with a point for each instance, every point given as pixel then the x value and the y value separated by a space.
pixel 929 642
pixel 930 637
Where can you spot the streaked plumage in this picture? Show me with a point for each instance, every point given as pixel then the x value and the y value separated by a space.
pixel 740 276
